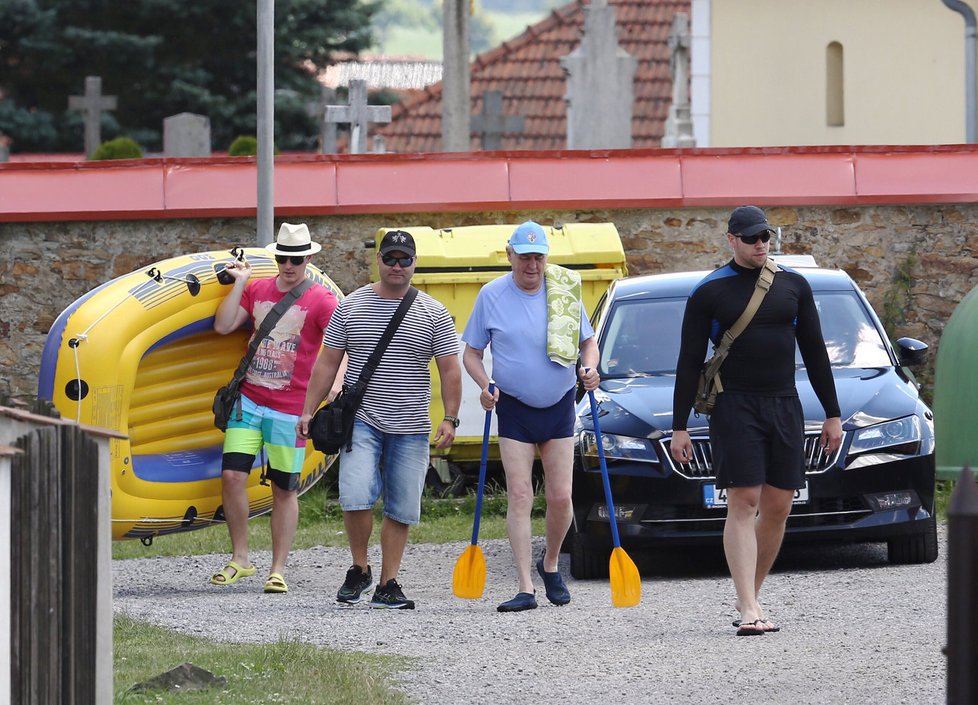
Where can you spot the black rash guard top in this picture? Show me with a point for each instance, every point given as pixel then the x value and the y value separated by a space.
pixel 762 357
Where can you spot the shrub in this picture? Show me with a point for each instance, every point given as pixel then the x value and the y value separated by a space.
pixel 245 146
pixel 119 148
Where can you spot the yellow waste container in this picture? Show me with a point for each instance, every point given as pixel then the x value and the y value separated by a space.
pixel 454 263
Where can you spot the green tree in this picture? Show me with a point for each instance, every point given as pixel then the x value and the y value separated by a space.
pixel 162 57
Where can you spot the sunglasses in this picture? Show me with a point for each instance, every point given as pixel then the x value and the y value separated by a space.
pixel 763 236
pixel 282 259
pixel 391 261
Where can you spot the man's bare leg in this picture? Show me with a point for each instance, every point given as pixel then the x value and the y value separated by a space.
pixel 517 460
pixel 741 549
pixel 557 456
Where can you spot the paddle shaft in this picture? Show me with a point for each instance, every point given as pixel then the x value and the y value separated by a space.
pixel 604 471
pixel 482 470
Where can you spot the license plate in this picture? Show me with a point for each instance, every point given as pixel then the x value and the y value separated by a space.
pixel 717 499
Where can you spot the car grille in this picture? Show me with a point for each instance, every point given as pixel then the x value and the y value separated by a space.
pixel 701 465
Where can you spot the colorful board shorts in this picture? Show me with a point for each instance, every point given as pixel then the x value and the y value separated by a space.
pixel 263 428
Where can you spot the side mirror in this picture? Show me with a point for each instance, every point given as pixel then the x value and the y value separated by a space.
pixel 911 351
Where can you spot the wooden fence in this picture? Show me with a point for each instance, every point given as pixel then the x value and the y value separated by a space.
pixel 59 582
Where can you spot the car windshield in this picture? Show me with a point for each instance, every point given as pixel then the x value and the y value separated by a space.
pixel 641 338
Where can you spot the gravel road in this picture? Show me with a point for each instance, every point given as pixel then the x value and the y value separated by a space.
pixel 854 629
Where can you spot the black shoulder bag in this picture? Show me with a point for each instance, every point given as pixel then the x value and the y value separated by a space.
pixel 331 428
pixel 228 397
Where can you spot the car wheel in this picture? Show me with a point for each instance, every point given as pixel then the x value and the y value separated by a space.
pixel 916 548
pixel 444 490
pixel 588 562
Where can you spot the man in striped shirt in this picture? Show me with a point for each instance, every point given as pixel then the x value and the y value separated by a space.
pixel 389 453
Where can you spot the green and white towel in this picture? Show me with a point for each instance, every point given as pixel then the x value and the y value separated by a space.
pixel 563 314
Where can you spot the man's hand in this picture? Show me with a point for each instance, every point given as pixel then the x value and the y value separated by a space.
pixel 302 426
pixel 832 434
pixel 445 434
pixel 681 447
pixel 239 271
pixel 488 400
pixel 590 377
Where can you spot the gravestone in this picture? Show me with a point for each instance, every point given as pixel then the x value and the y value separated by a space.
pixel 491 124
pixel 91 105
pixel 187 135
pixel 600 85
pixel 327 130
pixel 679 125
pixel 4 148
pixel 358 115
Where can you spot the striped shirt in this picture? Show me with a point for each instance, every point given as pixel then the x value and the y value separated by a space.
pixel 399 393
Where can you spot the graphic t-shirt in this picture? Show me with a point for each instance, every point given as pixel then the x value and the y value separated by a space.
pixel 279 372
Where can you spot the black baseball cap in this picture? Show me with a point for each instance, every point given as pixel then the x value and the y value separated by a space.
pixel 747 220
pixel 397 241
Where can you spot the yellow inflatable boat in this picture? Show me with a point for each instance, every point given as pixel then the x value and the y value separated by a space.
pixel 139 355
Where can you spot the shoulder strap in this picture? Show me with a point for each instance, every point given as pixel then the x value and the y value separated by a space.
pixel 271 318
pixel 374 360
pixel 764 281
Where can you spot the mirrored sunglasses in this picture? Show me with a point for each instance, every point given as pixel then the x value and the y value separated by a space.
pixel 763 236
pixel 282 259
pixel 391 261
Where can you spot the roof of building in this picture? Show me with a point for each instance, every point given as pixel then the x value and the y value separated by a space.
pixel 528 73
pixel 384 71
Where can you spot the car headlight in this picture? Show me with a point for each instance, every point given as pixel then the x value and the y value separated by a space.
pixel 890 435
pixel 619 447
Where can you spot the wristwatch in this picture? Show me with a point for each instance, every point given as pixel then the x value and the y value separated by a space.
pixel 454 419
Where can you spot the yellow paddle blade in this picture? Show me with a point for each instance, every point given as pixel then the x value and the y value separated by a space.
pixel 626 583
pixel 469 577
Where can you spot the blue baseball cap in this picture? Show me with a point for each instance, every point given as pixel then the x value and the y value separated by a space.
pixel 529 238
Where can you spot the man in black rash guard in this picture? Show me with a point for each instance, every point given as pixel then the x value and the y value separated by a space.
pixel 757 425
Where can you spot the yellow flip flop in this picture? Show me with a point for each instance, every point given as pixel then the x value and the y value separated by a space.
pixel 276 583
pixel 225 577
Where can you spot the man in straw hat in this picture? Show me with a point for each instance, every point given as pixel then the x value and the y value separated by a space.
pixel 272 394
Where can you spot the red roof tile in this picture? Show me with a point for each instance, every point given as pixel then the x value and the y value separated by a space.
pixel 527 71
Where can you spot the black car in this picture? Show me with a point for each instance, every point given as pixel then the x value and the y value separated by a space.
pixel 879 486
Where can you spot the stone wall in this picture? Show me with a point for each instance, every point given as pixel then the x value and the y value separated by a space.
pixel 915 263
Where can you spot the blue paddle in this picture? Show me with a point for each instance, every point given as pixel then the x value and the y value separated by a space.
pixel 469 576
pixel 626 583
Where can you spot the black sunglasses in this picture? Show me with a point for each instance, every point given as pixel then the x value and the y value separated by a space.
pixel 282 259
pixel 391 261
pixel 763 236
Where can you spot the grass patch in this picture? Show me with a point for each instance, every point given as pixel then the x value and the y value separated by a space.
pixel 942 495
pixel 321 524
pixel 285 672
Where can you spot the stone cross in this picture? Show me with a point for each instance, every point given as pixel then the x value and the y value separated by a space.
pixel 358 115
pixel 600 85
pixel 679 125
pixel 187 135
pixel 491 125
pixel 327 130
pixel 91 106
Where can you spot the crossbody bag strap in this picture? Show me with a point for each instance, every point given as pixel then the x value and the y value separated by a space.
pixel 374 360
pixel 271 318
pixel 764 281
